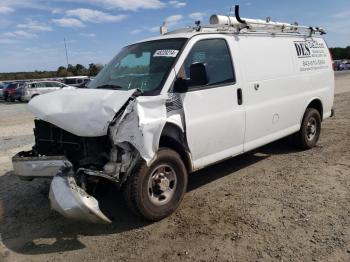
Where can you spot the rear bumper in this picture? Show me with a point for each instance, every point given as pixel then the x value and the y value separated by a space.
pixel 27 165
pixel 73 202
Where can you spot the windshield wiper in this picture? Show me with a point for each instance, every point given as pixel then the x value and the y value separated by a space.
pixel 112 87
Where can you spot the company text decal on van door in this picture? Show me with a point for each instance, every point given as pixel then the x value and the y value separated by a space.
pixel 311 55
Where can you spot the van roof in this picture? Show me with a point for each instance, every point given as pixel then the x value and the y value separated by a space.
pixel 191 32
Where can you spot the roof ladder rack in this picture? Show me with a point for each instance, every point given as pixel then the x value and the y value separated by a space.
pixel 253 25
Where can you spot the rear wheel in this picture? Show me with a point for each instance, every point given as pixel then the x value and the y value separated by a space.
pixel 310 130
pixel 155 192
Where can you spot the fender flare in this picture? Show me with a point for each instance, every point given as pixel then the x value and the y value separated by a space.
pixel 316 100
pixel 174 137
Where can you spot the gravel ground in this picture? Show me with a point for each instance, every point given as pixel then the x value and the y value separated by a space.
pixel 274 204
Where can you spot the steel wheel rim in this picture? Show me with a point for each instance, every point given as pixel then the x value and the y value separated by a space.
pixel 311 129
pixel 162 185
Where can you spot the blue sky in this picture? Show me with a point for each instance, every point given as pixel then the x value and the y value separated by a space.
pixel 32 31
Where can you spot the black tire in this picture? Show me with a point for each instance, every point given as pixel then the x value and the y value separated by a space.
pixel 307 137
pixel 136 189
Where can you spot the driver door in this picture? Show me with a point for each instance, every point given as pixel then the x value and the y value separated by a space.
pixel 214 113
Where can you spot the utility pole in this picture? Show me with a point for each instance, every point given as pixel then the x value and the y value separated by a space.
pixel 65 46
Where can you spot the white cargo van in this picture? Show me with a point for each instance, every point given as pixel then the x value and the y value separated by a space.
pixel 168 106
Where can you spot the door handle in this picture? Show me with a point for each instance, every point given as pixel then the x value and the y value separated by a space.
pixel 256 87
pixel 239 96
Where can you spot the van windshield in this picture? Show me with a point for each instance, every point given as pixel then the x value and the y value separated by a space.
pixel 144 66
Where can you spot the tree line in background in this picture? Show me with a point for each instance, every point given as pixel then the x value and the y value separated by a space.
pixel 339 53
pixel 77 70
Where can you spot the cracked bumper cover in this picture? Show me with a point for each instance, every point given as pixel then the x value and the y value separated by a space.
pixel 73 202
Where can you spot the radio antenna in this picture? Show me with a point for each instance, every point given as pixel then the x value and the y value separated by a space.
pixel 65 46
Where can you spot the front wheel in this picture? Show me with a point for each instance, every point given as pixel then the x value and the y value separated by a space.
pixel 155 192
pixel 310 130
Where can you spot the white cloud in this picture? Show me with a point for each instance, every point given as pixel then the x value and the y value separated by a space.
pixel 88 35
pixel 31 4
pixel 177 4
pixel 94 16
pixel 68 22
pixel 35 26
pixel 7 41
pixel 136 31
pixel 154 29
pixel 56 11
pixel 173 20
pixel 126 4
pixel 197 16
pixel 6 10
pixel 170 22
pixel 343 14
pixel 19 34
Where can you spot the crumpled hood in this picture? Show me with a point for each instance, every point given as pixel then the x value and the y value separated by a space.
pixel 82 112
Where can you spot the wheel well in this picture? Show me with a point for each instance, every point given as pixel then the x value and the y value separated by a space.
pixel 172 137
pixel 34 95
pixel 317 104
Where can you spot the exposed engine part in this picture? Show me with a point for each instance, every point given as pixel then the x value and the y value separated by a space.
pixel 51 140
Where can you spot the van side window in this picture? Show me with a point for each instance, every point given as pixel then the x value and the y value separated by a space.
pixel 215 54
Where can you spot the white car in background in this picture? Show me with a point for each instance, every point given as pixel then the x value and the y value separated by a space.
pixel 33 89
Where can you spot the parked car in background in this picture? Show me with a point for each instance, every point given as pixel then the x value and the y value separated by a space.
pixel 33 89
pixel 19 93
pixel 2 87
pixel 76 80
pixel 10 91
pixel 84 84
pixel 344 66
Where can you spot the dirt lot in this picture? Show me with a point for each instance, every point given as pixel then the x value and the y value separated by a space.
pixel 274 204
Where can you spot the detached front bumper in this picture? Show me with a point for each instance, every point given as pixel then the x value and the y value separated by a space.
pixel 66 196
pixel 73 202
pixel 28 165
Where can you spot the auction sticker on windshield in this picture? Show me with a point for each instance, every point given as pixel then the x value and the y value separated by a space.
pixel 166 53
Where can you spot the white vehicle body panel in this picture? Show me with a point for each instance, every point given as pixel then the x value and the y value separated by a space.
pixel 278 89
pixel 214 121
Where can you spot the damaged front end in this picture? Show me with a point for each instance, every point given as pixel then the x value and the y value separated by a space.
pixel 78 163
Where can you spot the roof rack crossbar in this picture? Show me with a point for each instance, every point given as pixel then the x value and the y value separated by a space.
pixel 238 23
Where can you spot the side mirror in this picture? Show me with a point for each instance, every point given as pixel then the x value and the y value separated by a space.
pixel 198 74
pixel 180 86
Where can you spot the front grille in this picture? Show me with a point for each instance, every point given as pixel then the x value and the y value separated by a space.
pixel 51 140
